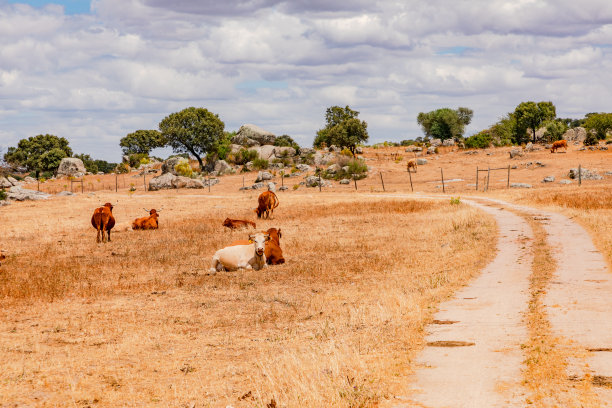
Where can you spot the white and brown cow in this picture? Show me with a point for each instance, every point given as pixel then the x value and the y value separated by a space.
pixel 250 256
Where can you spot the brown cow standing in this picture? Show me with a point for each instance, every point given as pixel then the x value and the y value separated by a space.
pixel 558 145
pixel 235 224
pixel 146 223
pixel 273 251
pixel 103 221
pixel 411 164
pixel 267 203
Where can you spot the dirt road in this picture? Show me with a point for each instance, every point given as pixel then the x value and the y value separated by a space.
pixel 473 356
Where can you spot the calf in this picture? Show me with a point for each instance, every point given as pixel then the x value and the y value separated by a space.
pixel 250 256
pixel 558 145
pixel 235 224
pixel 146 223
pixel 273 251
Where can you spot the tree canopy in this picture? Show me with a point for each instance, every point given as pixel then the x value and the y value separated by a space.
pixel 599 124
pixel 531 115
pixel 41 152
pixel 342 128
pixel 196 131
pixel 142 141
pixel 445 123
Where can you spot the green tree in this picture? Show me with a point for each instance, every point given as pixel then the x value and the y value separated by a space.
pixel 599 124
pixel 196 131
pixel 286 141
pixel 141 141
pixel 555 130
pixel 343 129
pixel 29 151
pixel 445 123
pixel 531 115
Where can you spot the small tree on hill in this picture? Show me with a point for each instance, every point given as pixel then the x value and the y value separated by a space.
pixel 142 141
pixel 41 152
pixel 445 123
pixel 531 115
pixel 342 128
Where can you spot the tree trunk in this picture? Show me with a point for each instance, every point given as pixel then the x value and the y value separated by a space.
pixel 534 135
pixel 199 161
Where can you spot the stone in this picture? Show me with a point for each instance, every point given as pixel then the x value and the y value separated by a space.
pixel 29 179
pixel 333 169
pixel 186 182
pixel 252 135
pixel 13 181
pixel 548 179
pixel 222 167
pixel 211 181
pixel 520 185
pixel 303 167
pixel 421 162
pixel 603 148
pixel 304 151
pixel 258 186
pixel 4 202
pixel 162 182
pixel 263 176
pixel 577 134
pixel 249 166
pixel 235 148
pixel 21 194
pixel 435 142
pixel 334 149
pixel 272 186
pixel 358 150
pixel 529 147
pixel 345 181
pixel 323 159
pixel 265 152
pixel 516 153
pixel 431 150
pixel 540 164
pixel 585 174
pixel 169 165
pixel 244 188
pixel 283 188
pixel 278 166
pixel 471 152
pixel 448 142
pixel 71 166
pixel 65 193
pixel 565 181
pixel 284 151
pixel 4 183
pixel 313 181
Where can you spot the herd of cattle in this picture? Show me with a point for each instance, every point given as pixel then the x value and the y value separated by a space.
pixel 255 253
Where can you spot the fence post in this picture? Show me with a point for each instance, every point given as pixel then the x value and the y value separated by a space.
pixel 319 181
pixel 382 181
pixel 116 181
pixel 488 178
pixel 476 178
pixel 282 173
pixel 144 179
pixel 355 180
pixel 410 175
pixel 508 184
pixel 208 182
pixel 442 174
pixel 242 181
pixel 579 174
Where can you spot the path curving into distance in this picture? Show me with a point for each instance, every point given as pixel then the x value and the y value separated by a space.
pixel 473 356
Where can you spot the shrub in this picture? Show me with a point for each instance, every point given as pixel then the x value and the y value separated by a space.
pixel 346 152
pixel 134 160
pixel 244 156
pixel 183 168
pixel 356 168
pixel 122 168
pixel 455 200
pixel 591 139
pixel 260 164
pixel 480 140
pixel 3 195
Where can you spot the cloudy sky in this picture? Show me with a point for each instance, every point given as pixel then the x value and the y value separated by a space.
pixel 93 71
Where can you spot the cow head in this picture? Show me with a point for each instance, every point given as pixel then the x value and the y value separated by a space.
pixel 259 241
pixel 258 212
pixel 227 223
pixel 109 206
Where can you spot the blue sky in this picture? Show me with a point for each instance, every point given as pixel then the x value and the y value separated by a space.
pixel 95 71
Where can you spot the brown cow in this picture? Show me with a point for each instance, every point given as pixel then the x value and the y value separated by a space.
pixel 235 224
pixel 103 221
pixel 411 164
pixel 2 257
pixel 146 223
pixel 273 251
pixel 558 145
pixel 268 201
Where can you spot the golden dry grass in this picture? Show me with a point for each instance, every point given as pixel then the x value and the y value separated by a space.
pixel 138 322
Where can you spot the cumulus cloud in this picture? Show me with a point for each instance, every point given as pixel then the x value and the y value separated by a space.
pixel 95 77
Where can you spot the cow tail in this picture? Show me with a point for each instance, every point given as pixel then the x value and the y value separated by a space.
pixel 275 201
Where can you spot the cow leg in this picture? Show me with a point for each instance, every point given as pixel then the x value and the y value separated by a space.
pixel 215 265
pixel 98 235
pixel 108 233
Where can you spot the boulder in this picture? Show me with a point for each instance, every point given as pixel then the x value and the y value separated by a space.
pixel 516 153
pixel 168 165
pixel 252 135
pixel 21 194
pixel 431 150
pixel 585 174
pixel 284 151
pixel 249 166
pixel 272 186
pixel 345 181
pixel 222 167
pixel 211 181
pixel 565 182
pixel 303 167
pixel 13 181
pixel 520 185
pixel 263 176
pixel 283 188
pixel 448 142
pixel 266 152
pixel 333 169
pixel 529 147
pixel 162 182
pixel 435 142
pixel 235 148
pixel 65 193
pixel 258 186
pixel 421 162
pixel 71 166
pixel 4 183
pixel 334 149
pixel 575 135
pixel 313 181
pixel 548 179
pixel 323 159
pixel 186 182
pixel 358 150
pixel 304 151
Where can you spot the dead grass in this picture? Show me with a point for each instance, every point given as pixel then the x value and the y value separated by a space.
pixel 546 356
pixel 138 322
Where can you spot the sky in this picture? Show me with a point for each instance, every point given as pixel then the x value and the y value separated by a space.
pixel 94 71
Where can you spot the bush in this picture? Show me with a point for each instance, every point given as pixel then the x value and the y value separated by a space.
pixel 346 152
pixel 480 140
pixel 287 141
pixel 183 168
pixel 591 139
pixel 407 142
pixel 244 156
pixel 3 195
pixel 356 168
pixel 260 164
pixel 122 168
pixel 134 160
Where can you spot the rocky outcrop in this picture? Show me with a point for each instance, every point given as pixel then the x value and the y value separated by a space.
pixel 169 181
pixel 4 183
pixel 253 135
pixel 516 153
pixel 21 194
pixel 266 152
pixel 448 142
pixel 72 167
pixel 577 134
pixel 313 181
pixel 169 165
pixel 585 174
pixel 222 167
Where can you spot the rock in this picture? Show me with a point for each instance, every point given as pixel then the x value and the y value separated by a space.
pixel 582 148
pixel 235 148
pixel 421 162
pixel 4 202
pixel 211 181
pixel 258 185
pixel 345 181
pixel 334 149
pixel 346 169
pixel 272 186
pixel 608 173
pixel 303 167
pixel 548 179
pixel 263 176
pixel 333 169
pixel 585 174
pixel 435 142
pixel 29 179
pixel 540 164
pixel 448 142
pixel 222 167
pixel 592 148
pixel 278 166
pixel 431 150
pixel 265 152
pixel 65 193
pixel 283 188
pixel 565 182
pixel 313 181
pixel 603 148
pixel 284 151
pixel 244 188
pixel 13 181
pixel 21 194
pixel 520 185
pixel 358 150
pixel 323 159
pixel 4 183
pixel 471 152
pixel 186 182
pixel 249 166
pixel 575 135
pixel 516 153
pixel 304 151
pixel 169 165
pixel 529 147
pixel 162 182
pixel 253 135
pixel 514 167
pixel 71 166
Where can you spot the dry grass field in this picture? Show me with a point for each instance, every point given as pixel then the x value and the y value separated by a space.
pixel 138 322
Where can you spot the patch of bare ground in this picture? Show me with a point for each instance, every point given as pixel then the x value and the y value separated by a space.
pixel 546 355
pixel 138 322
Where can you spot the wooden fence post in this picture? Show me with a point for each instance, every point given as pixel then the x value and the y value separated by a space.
pixel 382 181
pixel 488 178
pixel 282 173
pixel 442 174
pixel 319 181
pixel 508 183
pixel 579 174
pixel 116 182
pixel 144 179
pixel 477 178
pixel 355 180
pixel 82 186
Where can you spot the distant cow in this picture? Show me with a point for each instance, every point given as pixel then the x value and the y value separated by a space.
pixel 2 257
pixel 235 224
pixel 250 256
pixel 146 223
pixel 267 203
pixel 558 145
pixel 273 251
pixel 103 221
pixel 411 164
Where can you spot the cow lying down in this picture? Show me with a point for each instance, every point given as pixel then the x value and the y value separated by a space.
pixel 249 256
